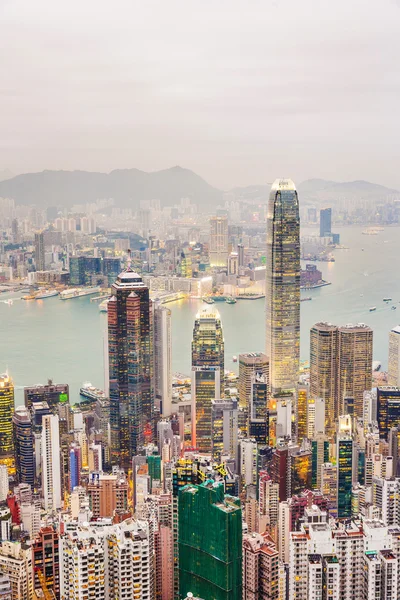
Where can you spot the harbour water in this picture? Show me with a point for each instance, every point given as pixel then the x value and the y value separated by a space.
pixel 64 340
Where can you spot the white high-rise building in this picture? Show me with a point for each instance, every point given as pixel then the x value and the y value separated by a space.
pixel 102 562
pixel 394 357
pixel 51 468
pixel 218 241
pixel 4 486
pixel 162 345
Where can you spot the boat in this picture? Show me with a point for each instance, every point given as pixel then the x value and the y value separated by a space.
pixel 394 307
pixel 103 306
pixel 387 299
pixel 10 302
pixel 305 299
pixel 376 365
pixel 79 292
pixel 230 300
pixel 46 294
pixel 92 393
pixel 30 297
pixel 208 300
pixel 234 358
pixel 372 309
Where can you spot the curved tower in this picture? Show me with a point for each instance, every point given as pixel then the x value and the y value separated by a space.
pixel 283 285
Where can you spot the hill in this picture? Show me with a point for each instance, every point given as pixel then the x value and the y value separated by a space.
pixel 127 187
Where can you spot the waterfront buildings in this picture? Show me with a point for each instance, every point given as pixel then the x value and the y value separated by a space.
pixel 218 241
pixel 210 542
pixel 207 375
pixel 23 446
pixel 283 285
pixel 130 349
pixel 162 358
pixel 394 357
pixel 52 393
pixel 6 421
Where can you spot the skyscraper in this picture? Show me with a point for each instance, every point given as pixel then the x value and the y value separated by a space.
pixel 394 357
pixel 344 460
pixel 218 241
pixel 283 285
pixel 51 467
pixel 210 542
pixel 23 446
pixel 39 251
pixel 388 409
pixel 251 363
pixel 323 370
pixel 207 375
pixel 355 364
pixel 325 222
pixel 162 358
pixel 6 421
pixel 130 348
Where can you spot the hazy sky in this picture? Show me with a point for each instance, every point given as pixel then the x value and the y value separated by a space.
pixel 239 91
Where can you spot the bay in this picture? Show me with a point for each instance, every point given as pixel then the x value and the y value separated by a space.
pixel 64 340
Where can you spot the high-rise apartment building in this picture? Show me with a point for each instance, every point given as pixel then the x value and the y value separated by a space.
pixel 283 285
pixel 23 446
pixel 260 568
pixel 16 563
pixel 130 349
pixel 46 559
pixel 325 222
pixel 6 421
pixel 39 251
pixel 51 467
pixel 107 493
pixel 207 375
pixel 323 370
pixel 394 357
pixel 218 241
pixel 162 358
pixel 354 364
pixel 210 542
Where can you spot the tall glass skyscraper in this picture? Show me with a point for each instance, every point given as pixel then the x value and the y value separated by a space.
pixel 6 422
pixel 130 366
pixel 207 375
pixel 283 285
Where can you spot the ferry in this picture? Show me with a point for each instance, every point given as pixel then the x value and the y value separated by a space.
pixel 306 299
pixel 208 300
pixel 30 297
pixel 387 299
pixel 372 309
pixel 79 292
pixel 91 392
pixel 234 358
pixel 230 300
pixel 46 294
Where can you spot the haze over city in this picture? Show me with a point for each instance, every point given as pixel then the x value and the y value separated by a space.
pixel 240 92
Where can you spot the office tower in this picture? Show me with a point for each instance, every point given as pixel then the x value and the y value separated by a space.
pixel 16 563
pixel 260 568
pixel 323 370
pixel 250 364
pixel 284 413
pixel 224 427
pixel 210 542
pixel 107 493
pixel 325 222
pixel 162 358
pixel 354 364
pixel 130 347
pixel 233 264
pixel 240 251
pixel 75 466
pixel 51 467
pixel 52 393
pixel 393 442
pixel 46 558
pixel 320 455
pixel 39 251
pixel 6 421
pixel 259 411
pixel 388 409
pixel 302 412
pixel 329 486
pixel 300 470
pixel 394 357
pixel 218 241
pixel 315 417
pixel 23 446
pixel 4 485
pixel 283 285
pixel 207 375
pixel 344 461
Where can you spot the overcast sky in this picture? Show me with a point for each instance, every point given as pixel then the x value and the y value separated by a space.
pixel 239 91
